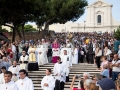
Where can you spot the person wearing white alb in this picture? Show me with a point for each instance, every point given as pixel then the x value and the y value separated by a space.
pixel 24 83
pixel 42 53
pixel 48 82
pixel 3 70
pixel 15 71
pixel 67 63
pixel 59 72
pixel 8 84
pixel 24 60
pixel 75 55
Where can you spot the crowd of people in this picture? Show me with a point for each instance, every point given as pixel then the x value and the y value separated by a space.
pixel 100 49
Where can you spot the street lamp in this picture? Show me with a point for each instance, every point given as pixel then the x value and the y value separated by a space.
pixel 84 26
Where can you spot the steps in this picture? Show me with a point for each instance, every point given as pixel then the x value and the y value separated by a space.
pixel 79 69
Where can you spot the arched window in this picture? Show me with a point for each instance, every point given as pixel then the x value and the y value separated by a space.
pixel 99 19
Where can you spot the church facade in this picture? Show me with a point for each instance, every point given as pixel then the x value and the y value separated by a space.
pixel 99 19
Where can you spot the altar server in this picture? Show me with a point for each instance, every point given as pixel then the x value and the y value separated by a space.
pixel 24 59
pixel 3 70
pixel 69 53
pixel 67 63
pixel 24 83
pixel 15 71
pixel 59 72
pixel 48 82
pixel 9 84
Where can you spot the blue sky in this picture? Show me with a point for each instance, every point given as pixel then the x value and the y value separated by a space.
pixel 115 9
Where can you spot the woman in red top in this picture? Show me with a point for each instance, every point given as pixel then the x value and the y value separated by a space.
pixel 10 51
pixel 80 84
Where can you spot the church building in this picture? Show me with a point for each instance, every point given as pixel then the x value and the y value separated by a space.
pixel 99 18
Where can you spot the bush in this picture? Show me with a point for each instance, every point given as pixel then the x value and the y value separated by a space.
pixel 117 33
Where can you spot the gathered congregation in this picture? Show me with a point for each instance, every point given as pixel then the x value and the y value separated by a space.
pixel 99 49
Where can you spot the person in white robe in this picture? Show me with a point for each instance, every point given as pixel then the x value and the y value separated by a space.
pixel 69 53
pixel 45 45
pixel 3 70
pixel 24 83
pixel 48 82
pixel 59 72
pixel 75 56
pixel 67 63
pixel 42 54
pixel 37 49
pixel 15 71
pixel 68 43
pixel 8 84
pixel 24 60
pixel 62 50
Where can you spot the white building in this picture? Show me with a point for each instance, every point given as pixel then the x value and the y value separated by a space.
pixel 99 19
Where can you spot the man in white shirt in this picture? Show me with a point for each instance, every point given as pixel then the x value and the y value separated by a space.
pixel 15 71
pixel 9 84
pixel 3 70
pixel 48 82
pixel 59 72
pixel 116 67
pixel 24 83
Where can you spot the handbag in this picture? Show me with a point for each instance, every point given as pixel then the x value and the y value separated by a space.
pixel 108 52
pixel 99 53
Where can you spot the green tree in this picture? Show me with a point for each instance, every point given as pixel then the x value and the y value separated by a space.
pixel 27 28
pixel 15 13
pixel 61 11
pixel 117 33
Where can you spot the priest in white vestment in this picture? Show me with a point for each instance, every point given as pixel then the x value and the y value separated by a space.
pixel 15 71
pixel 48 82
pixel 24 83
pixel 45 45
pixel 67 63
pixel 42 54
pixel 8 84
pixel 24 60
pixel 3 70
pixel 37 47
pixel 75 55
pixel 59 72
